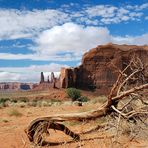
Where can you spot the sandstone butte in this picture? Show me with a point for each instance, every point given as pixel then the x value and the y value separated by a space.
pixel 100 67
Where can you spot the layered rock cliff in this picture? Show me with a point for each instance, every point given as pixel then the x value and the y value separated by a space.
pixel 99 67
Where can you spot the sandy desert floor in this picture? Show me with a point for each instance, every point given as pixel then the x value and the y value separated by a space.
pixel 12 127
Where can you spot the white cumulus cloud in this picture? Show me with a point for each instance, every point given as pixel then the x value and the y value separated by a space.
pixel 70 38
pixel 16 24
pixel 109 14
pixel 69 41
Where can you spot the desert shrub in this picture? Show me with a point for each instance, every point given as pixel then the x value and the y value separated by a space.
pixel 38 103
pixel 5 120
pixel 22 104
pixel 44 103
pixel 23 99
pixel 35 100
pixel 14 112
pixel 67 103
pixel 83 99
pixel 4 100
pixel 32 103
pixel 73 93
pixel 77 103
pixel 55 100
pixel 14 100
pixel 56 104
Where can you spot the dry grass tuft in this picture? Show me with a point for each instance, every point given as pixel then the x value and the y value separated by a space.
pixel 14 112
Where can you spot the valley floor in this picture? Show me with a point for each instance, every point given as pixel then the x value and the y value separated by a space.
pixel 13 121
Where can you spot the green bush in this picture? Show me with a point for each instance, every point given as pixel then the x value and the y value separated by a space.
pixel 4 100
pixel 73 93
pixel 83 99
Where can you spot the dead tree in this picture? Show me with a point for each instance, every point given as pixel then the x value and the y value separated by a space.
pixel 119 91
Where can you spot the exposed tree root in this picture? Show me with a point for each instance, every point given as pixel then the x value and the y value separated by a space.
pixel 37 128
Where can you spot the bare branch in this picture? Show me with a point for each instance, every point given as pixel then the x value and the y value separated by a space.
pixel 127 103
pixel 135 113
pixel 119 112
pixel 121 74
pixel 121 85
pixel 128 92
pixel 145 103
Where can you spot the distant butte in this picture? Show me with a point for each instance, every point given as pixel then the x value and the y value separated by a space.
pixel 7 86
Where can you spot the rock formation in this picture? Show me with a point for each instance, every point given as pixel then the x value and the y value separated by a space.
pixel 42 78
pixel 99 67
pixel 48 81
pixel 52 77
pixel 68 77
pixel 6 86
pixel 53 82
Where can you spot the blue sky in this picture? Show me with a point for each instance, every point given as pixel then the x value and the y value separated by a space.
pixel 45 35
